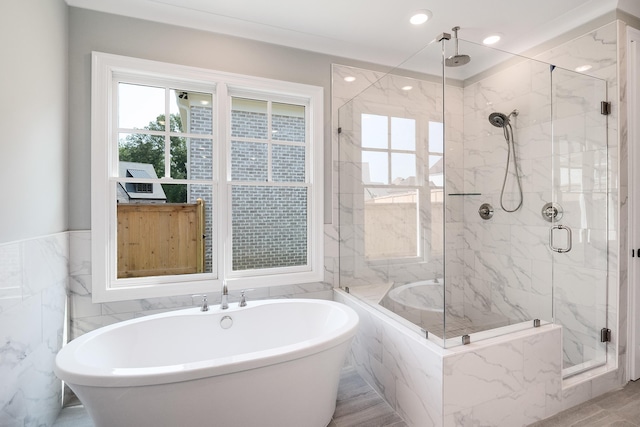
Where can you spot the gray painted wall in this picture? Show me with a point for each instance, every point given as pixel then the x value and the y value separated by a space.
pixel 33 154
pixel 119 35
pixel 95 31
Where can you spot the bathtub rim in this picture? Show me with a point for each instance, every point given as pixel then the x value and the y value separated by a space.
pixel 73 372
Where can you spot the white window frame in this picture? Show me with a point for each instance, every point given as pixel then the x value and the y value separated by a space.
pixel 104 172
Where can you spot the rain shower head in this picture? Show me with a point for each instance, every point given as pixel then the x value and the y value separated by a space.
pixel 457 59
pixel 499 120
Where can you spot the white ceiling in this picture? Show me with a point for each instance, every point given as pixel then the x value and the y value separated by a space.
pixel 376 31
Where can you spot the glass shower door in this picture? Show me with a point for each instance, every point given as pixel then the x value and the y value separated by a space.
pixel 577 215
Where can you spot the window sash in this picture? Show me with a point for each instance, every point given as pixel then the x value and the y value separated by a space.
pixel 106 71
pixel 269 142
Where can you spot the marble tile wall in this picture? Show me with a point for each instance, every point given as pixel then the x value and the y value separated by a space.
pixel 604 49
pixel 500 253
pixel 376 93
pixel 508 381
pixel 508 249
pixel 403 368
pixel 39 279
pixel 514 277
pixel 85 316
pixel 503 266
pixel 33 286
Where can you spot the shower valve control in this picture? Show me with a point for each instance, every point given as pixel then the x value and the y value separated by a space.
pixel 552 212
pixel 485 211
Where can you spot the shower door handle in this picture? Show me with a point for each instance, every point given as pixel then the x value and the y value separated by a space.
pixel 569 237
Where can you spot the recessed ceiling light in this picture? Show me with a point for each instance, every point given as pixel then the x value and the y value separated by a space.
pixel 349 79
pixel 407 87
pixel 420 17
pixel 583 68
pixel 492 39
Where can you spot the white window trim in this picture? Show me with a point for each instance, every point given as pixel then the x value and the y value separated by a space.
pixel 106 287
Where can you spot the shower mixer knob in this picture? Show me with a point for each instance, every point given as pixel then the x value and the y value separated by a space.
pixel 485 211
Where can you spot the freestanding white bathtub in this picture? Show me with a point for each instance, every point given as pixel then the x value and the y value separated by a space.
pixel 277 364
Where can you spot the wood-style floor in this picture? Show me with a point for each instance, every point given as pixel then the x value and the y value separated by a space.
pixel 619 408
pixel 359 405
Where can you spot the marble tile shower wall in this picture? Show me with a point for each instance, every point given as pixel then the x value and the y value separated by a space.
pixel 604 49
pixel 508 267
pixel 505 252
pixel 508 381
pixel 33 286
pixel 503 265
pixel 374 93
pixel 85 316
pixel 502 253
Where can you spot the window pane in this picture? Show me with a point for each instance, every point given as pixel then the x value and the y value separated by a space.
pixel 390 223
pixel 403 134
pixel 436 137
pixel 191 111
pixel 141 107
pixel 288 163
pixel 436 171
pixel 158 238
pixel 200 158
pixel 288 122
pixel 375 131
pixel 143 152
pixel 375 167
pixel 403 169
pixel 179 158
pixel 269 226
pixel 249 118
pixel 249 161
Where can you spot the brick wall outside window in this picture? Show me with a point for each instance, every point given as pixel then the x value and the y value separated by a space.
pixel 269 224
pixel 200 167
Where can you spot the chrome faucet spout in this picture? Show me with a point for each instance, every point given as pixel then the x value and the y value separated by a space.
pixel 224 299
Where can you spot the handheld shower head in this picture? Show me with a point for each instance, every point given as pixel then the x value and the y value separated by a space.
pixel 499 120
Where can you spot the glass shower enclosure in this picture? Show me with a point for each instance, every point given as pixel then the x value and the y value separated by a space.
pixel 473 198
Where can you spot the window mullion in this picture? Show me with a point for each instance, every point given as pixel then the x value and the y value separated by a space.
pixel 167 131
pixel 390 173
pixel 269 141
pixel 223 114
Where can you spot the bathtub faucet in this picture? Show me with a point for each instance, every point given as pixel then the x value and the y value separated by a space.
pixel 205 304
pixel 224 299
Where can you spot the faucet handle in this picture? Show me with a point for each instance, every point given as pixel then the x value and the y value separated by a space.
pixel 243 300
pixel 205 304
